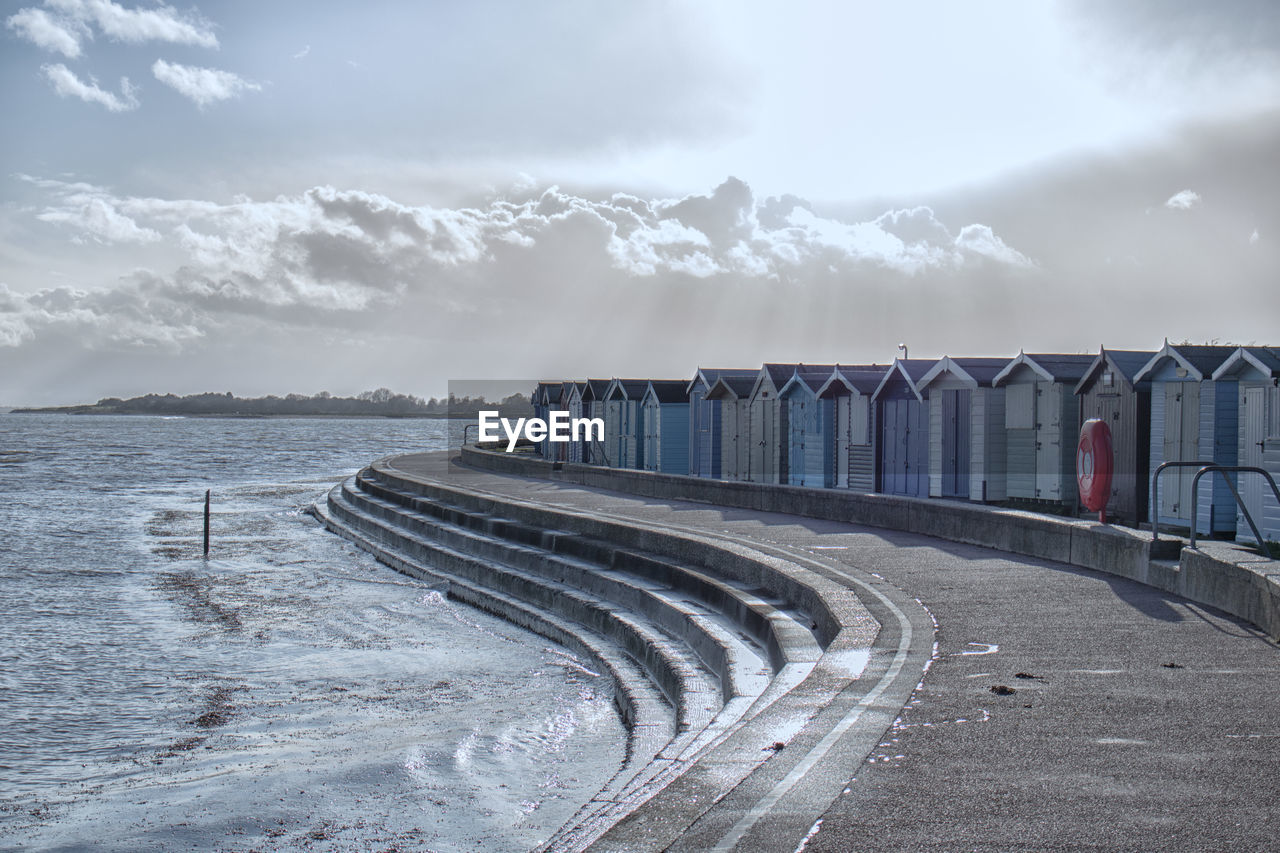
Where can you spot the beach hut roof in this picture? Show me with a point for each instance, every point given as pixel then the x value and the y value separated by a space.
pixel 857 378
pixel 1265 359
pixel 910 370
pixel 972 371
pixel 732 387
pixel 548 391
pixel 1128 362
pixel 811 376
pixel 596 389
pixel 1052 367
pixel 626 389
pixel 667 390
pixel 1199 361
pixel 708 376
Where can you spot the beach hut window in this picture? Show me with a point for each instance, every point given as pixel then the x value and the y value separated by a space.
pixel 1020 406
pixel 1108 378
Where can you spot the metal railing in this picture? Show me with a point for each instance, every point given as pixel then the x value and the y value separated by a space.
pixel 1224 470
pixel 1155 491
pixel 598 446
pixel 1209 468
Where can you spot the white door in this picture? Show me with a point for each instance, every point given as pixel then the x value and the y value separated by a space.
pixel 1181 443
pixel 1048 414
pixel 843 404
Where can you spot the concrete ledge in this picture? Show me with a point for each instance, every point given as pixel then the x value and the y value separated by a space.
pixel 1240 584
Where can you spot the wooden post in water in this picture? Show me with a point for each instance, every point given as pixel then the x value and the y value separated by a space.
pixel 206 522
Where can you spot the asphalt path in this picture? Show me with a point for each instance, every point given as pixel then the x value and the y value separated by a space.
pixel 1056 708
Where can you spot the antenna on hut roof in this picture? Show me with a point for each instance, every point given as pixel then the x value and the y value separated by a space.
pixel 903 347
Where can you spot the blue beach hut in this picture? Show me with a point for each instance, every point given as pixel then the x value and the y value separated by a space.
pixel 849 389
pixel 705 421
pixel 574 404
pixel 1193 418
pixel 546 396
pixel 593 451
pixel 810 446
pixel 1256 372
pixel 665 416
pixel 622 423
pixel 966 429
pixel 902 429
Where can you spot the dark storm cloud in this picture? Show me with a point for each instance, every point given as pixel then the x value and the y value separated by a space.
pixel 1204 34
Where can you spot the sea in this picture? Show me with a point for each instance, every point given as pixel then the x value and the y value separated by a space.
pixel 289 692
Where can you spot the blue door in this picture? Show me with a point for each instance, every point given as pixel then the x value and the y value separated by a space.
pixel 955 443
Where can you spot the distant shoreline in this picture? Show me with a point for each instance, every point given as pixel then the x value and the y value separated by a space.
pixel 90 411
pixel 382 403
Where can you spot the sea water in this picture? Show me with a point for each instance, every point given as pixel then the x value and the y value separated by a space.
pixel 289 692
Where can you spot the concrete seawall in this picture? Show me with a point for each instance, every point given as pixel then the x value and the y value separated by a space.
pixel 723 652
pixel 1245 586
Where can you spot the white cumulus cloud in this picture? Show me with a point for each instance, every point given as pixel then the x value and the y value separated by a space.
pixel 1184 200
pixel 67 84
pixel 204 86
pixel 51 32
pixel 156 23
pixel 346 259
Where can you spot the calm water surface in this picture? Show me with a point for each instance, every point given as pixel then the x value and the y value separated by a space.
pixel 288 693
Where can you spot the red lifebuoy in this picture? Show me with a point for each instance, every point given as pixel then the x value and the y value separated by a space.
pixel 1094 464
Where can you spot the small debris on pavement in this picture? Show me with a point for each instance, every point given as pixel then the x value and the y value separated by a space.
pixel 1172 665
pixel 1028 676
pixel 1002 690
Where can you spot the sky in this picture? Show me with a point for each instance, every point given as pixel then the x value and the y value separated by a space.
pixel 295 197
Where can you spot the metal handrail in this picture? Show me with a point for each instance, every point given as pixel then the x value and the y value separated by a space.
pixel 595 442
pixel 466 427
pixel 1155 493
pixel 1224 470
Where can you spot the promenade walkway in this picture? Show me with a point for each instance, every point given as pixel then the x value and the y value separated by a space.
pixel 1122 718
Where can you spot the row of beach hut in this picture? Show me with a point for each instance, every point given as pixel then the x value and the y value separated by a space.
pixel 992 430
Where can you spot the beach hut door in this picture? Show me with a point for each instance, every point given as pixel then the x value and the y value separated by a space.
pixel 1048 415
pixel 1181 442
pixel 1255 421
pixel 842 440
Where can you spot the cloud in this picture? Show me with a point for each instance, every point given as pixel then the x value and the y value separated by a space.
pixel 348 259
pixel 204 86
pixel 103 222
pixel 52 33
pixel 1184 200
pixel 67 84
pixel 159 23
pixel 302 53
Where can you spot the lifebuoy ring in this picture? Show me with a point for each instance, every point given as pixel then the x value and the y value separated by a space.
pixel 1093 464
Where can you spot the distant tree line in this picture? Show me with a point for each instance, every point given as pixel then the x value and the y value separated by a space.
pixel 380 403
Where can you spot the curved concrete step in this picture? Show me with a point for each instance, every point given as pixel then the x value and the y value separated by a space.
pixel 730 629
pixel 825 608
pixel 694 691
pixel 765 619
pixel 735 659
pixel 645 710
pixel 762 591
